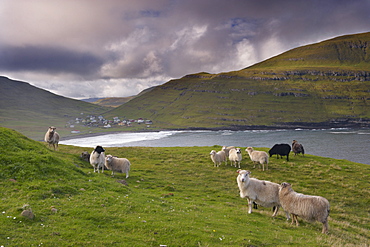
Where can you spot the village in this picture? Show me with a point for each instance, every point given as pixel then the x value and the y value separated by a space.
pixel 100 121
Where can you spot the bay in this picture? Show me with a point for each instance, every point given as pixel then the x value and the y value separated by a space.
pixel 349 144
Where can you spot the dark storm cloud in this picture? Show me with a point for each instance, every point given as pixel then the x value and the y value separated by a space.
pixel 119 47
pixel 48 60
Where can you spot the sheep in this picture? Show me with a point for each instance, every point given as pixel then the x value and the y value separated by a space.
pixel 258 156
pixel 280 149
pixel 263 193
pixel 52 137
pixel 97 158
pixel 297 148
pixel 85 156
pixel 121 165
pixel 217 157
pixel 235 156
pixel 310 208
pixel 227 150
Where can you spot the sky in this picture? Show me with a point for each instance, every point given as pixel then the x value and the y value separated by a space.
pixel 117 48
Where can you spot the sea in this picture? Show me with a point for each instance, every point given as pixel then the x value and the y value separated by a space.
pixel 339 143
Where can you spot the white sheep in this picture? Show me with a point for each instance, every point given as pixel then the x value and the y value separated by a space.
pixel 52 137
pixel 97 158
pixel 310 208
pixel 227 150
pixel 235 156
pixel 115 164
pixel 263 193
pixel 258 156
pixel 217 157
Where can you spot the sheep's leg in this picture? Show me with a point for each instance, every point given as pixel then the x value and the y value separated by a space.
pixel 276 211
pixel 239 164
pixel 126 174
pixel 295 218
pixel 287 215
pixel 325 227
pixel 249 206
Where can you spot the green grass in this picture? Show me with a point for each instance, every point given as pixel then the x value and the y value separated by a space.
pixel 174 197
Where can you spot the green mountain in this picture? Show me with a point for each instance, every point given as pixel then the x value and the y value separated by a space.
pixel 325 84
pixel 32 110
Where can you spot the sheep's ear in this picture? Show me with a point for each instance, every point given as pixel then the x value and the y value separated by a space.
pixel 238 171
pixel 248 172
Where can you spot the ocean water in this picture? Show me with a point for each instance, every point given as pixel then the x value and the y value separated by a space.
pixel 349 144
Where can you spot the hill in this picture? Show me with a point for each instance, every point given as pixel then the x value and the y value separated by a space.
pixel 32 110
pixel 319 85
pixel 115 101
pixel 173 197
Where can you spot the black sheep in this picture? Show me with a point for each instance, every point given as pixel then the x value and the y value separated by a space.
pixel 280 149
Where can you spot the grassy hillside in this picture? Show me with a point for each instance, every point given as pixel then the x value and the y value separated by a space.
pixel 173 197
pixel 348 52
pixel 113 101
pixel 324 84
pixel 32 110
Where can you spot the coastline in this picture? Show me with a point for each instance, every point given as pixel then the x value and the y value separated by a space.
pixel 284 126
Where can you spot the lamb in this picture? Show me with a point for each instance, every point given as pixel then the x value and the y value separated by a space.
pixel 297 148
pixel 263 193
pixel 217 157
pixel 258 156
pixel 97 158
pixel 52 137
pixel 115 164
pixel 227 150
pixel 280 149
pixel 235 156
pixel 310 208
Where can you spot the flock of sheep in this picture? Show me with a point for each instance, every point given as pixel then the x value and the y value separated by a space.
pixel 269 194
pixel 257 192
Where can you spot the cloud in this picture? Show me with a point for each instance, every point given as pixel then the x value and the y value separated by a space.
pixel 49 60
pixel 118 48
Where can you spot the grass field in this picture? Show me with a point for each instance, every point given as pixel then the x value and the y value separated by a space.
pixel 174 197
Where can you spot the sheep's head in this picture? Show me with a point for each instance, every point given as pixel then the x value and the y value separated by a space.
pixel 99 149
pixel 243 175
pixel 238 151
pixel 108 158
pixel 249 149
pixel 52 129
pixel 285 185
pixel 213 152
